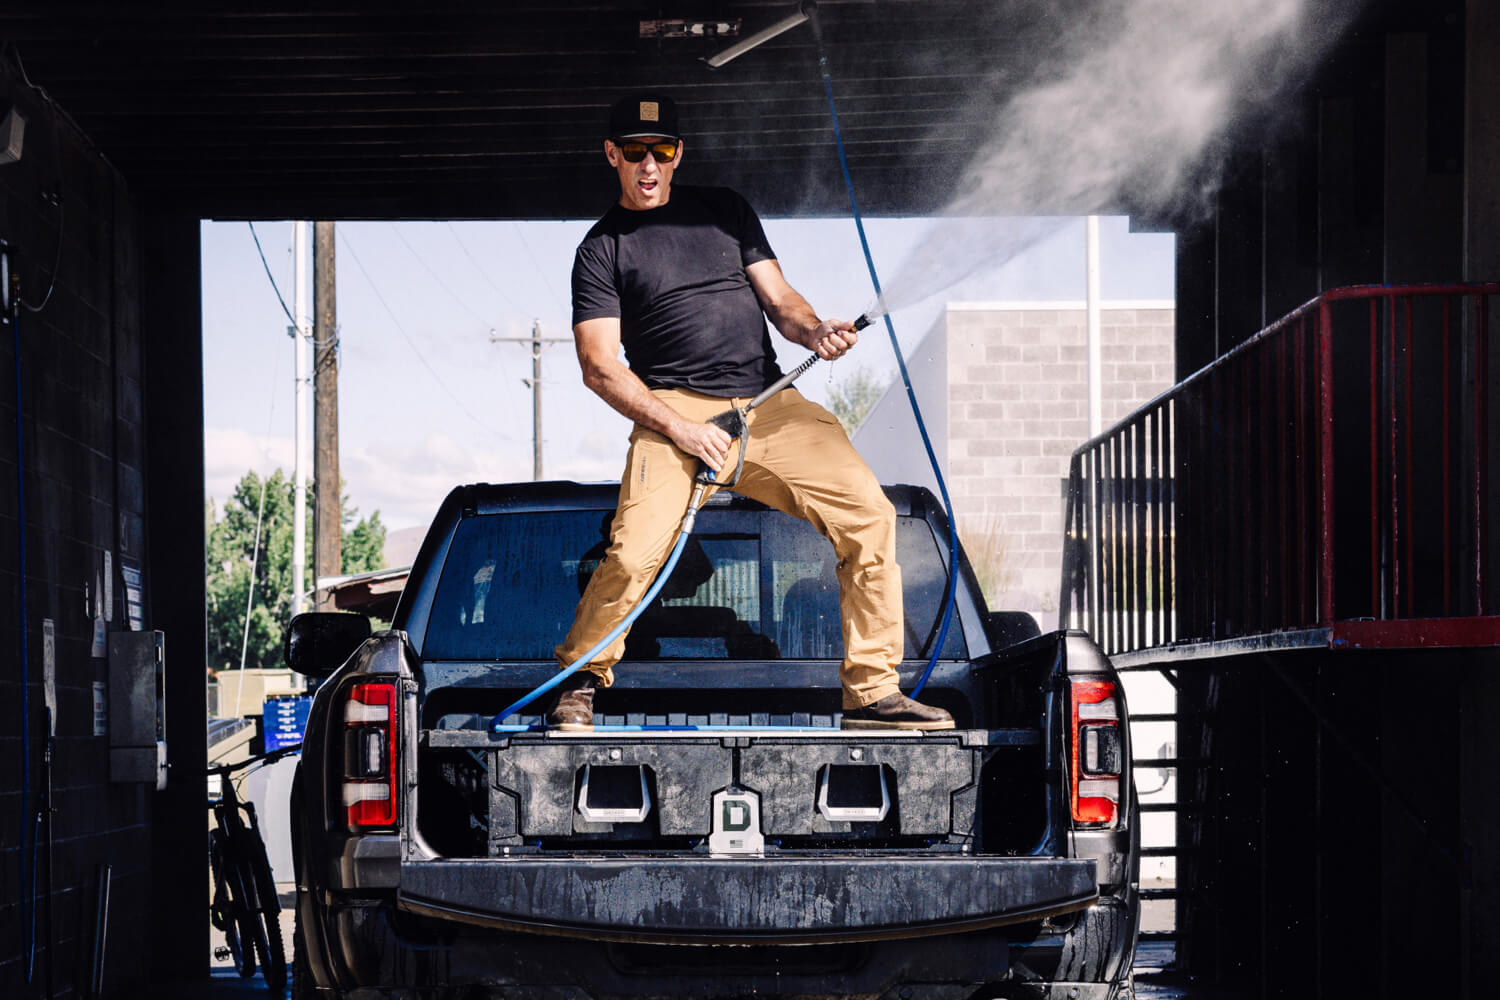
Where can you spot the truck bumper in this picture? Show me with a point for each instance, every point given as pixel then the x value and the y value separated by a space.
pixel 775 900
pixel 388 955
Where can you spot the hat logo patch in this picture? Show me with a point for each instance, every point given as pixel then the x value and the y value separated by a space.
pixel 650 111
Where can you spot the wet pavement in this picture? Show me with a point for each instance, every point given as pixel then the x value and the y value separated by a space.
pixel 223 984
pixel 1155 980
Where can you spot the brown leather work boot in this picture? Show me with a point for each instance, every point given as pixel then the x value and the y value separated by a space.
pixel 573 703
pixel 897 711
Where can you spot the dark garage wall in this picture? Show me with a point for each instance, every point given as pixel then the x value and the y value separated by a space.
pixel 82 443
pixel 1372 835
pixel 1361 180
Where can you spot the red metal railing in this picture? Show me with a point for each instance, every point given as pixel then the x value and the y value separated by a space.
pixel 1332 468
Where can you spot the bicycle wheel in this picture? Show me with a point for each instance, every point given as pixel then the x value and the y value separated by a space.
pixel 242 886
pixel 218 909
pixel 273 947
pixel 252 926
pixel 229 912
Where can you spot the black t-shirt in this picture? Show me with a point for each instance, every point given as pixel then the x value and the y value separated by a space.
pixel 675 277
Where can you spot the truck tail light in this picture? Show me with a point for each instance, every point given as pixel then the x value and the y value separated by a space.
pixel 370 755
pixel 1097 749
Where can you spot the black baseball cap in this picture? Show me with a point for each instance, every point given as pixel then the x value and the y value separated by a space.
pixel 644 114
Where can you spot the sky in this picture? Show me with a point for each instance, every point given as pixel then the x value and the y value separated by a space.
pixel 427 401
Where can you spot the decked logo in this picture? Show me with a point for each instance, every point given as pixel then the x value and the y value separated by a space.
pixel 736 823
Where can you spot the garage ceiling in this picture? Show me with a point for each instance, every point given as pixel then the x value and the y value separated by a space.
pixel 381 109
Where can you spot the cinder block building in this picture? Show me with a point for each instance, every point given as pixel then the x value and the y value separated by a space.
pixel 1004 389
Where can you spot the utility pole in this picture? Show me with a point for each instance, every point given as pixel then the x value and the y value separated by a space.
pixel 537 341
pixel 299 415
pixel 327 529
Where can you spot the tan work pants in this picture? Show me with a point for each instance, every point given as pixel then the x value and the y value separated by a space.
pixel 800 462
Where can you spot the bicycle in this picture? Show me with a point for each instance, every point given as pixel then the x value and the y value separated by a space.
pixel 244 906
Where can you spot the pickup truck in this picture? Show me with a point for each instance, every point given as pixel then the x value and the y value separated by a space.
pixel 717 834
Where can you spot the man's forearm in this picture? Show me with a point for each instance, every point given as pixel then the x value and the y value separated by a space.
pixel 627 395
pixel 618 386
pixel 794 317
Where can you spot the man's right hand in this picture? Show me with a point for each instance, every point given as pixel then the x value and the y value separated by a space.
pixel 704 441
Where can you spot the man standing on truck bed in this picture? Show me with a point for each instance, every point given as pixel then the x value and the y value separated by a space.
pixel 685 279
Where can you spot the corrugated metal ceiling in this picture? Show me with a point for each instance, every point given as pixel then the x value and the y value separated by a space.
pixel 381 109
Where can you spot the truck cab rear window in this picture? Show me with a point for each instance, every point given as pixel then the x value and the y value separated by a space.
pixel 751 585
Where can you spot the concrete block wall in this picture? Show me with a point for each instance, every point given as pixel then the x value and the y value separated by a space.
pixel 1017 407
pixel 81 445
pixel 1004 391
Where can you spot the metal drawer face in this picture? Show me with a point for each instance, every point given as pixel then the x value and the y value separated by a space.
pixel 660 788
pixel 543 783
pixel 921 781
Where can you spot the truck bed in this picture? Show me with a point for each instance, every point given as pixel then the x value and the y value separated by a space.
pixel 654 788
pixel 611 835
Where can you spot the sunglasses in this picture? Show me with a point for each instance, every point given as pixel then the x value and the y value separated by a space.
pixel 635 152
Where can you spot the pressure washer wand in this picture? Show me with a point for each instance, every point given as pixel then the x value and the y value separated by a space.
pixel 795 373
pixel 780 383
pixel 733 422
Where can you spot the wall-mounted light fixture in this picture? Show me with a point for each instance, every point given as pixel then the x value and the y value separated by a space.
pixel 678 28
pixel 749 42
pixel 12 133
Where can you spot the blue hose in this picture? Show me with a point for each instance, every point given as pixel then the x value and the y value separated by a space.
pixel 497 723
pixel 952 591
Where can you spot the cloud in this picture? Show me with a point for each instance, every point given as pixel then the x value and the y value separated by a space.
pixel 229 453
pixel 584 469
pixel 406 481
pixel 405 478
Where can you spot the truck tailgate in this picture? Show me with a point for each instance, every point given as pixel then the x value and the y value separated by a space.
pixel 760 900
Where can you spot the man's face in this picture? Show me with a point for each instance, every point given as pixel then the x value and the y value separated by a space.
pixel 647 184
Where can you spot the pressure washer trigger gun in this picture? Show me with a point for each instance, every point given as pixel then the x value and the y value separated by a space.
pixel 733 423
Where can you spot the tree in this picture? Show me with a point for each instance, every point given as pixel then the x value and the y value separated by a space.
pixel 233 552
pixel 852 399
pixel 362 548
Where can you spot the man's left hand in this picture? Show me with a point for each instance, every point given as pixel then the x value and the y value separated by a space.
pixel 832 338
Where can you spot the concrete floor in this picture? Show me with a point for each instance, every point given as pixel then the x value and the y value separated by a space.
pixel 1154 977
pixel 225 982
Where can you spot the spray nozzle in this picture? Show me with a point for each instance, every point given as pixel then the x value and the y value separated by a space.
pixel 863 321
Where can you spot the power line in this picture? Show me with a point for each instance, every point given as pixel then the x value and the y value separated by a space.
pixel 516 227
pixel 270 276
pixel 395 228
pixel 483 271
pixel 259 513
pixel 412 344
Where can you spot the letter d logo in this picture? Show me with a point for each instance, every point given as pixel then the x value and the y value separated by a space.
pixel 736 816
pixel 736 823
